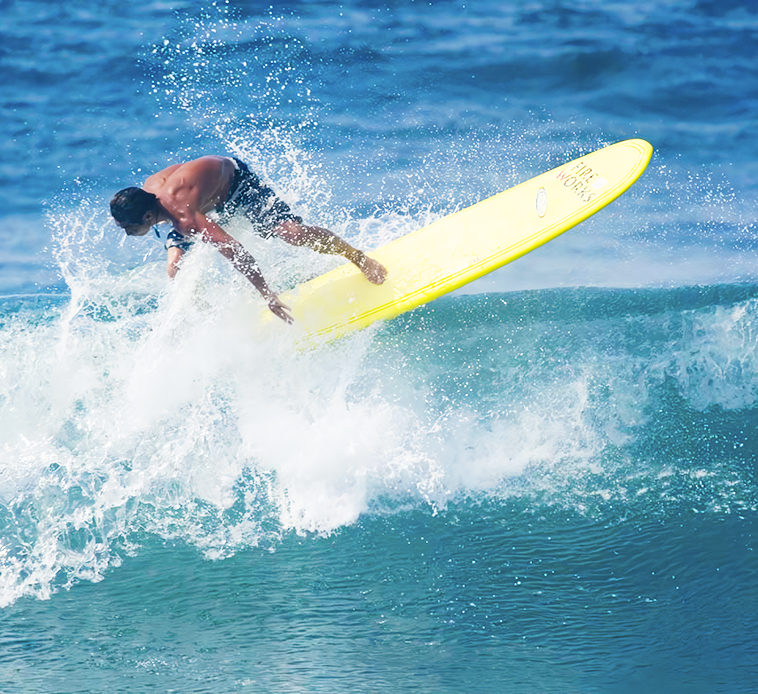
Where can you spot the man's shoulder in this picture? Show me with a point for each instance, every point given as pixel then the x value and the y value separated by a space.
pixel 158 179
pixel 203 171
pixel 209 162
pixel 213 162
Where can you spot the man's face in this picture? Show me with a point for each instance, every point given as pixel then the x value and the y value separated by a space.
pixel 136 229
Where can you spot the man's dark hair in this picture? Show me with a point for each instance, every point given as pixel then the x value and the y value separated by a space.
pixel 129 205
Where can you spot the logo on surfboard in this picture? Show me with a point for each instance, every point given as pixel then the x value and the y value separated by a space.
pixel 582 180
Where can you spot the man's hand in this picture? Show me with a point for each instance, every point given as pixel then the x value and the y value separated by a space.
pixel 279 309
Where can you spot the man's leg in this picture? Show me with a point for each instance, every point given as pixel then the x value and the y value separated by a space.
pixel 324 241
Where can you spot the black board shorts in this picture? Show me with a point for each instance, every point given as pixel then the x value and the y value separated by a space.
pixel 257 202
pixel 176 240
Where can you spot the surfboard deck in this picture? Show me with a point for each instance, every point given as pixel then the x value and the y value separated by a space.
pixel 467 244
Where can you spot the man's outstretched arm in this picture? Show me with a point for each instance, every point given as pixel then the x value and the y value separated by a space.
pixel 235 253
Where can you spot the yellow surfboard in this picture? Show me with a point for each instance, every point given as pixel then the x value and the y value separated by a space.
pixel 466 245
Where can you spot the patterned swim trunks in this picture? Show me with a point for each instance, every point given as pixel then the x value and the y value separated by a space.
pixel 257 202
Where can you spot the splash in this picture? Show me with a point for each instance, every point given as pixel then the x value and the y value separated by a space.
pixel 143 408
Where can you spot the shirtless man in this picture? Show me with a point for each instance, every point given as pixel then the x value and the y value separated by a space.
pixel 183 194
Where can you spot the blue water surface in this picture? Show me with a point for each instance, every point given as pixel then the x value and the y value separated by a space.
pixel 545 482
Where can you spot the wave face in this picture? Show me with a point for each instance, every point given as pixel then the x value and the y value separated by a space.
pixel 480 469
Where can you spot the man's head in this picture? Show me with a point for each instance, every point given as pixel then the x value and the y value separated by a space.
pixel 135 210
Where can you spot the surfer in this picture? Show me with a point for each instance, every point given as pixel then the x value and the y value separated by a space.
pixel 183 194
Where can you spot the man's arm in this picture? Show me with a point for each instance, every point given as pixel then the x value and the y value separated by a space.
pixel 210 232
pixel 173 259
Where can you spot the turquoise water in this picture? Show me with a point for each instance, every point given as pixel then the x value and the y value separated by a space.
pixel 545 482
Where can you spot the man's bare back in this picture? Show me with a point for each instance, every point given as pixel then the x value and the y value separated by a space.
pixel 183 194
pixel 202 183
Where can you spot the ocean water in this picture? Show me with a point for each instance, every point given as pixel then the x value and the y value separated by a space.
pixel 545 482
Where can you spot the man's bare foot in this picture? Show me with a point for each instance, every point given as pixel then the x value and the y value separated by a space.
pixel 374 271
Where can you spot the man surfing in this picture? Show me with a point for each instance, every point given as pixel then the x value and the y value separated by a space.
pixel 183 194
